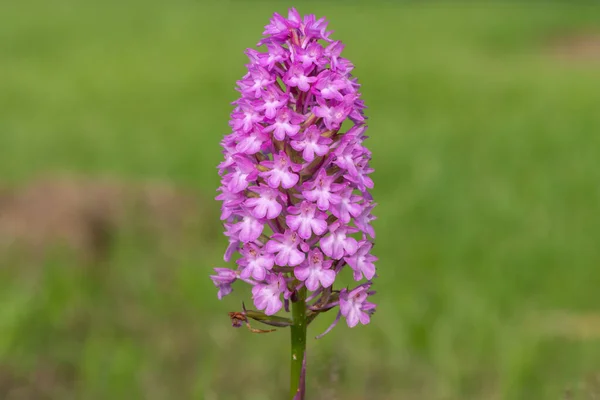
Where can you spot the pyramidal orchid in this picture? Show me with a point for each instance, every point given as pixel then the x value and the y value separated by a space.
pixel 295 186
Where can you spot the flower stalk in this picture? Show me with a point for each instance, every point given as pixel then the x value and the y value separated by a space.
pixel 298 346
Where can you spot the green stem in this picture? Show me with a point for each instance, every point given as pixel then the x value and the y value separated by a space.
pixel 298 330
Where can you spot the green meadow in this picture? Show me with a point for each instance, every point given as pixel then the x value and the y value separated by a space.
pixel 484 123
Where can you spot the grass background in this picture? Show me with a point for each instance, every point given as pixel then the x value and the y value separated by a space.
pixel 486 148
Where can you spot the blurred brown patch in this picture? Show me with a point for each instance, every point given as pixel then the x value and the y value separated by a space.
pixel 84 215
pixel 568 325
pixel 47 381
pixel 587 388
pixel 581 47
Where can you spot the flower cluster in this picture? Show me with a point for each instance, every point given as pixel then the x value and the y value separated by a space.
pixel 295 183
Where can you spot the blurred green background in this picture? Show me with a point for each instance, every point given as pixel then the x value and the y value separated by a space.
pixel 485 132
